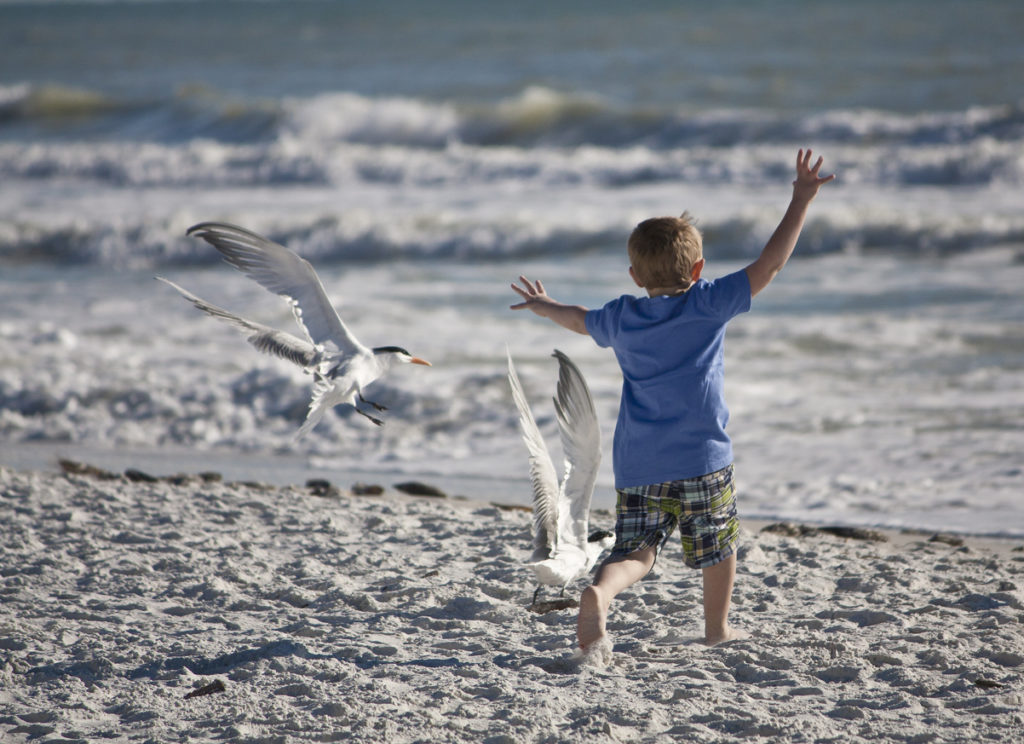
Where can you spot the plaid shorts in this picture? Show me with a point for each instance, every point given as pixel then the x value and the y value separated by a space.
pixel 703 507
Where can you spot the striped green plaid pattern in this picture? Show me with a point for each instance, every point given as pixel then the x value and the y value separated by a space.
pixel 704 509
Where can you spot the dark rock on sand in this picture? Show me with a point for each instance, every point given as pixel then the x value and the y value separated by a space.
pixel 953 540
pixel 137 476
pixel 855 533
pixel 215 686
pixel 788 529
pixel 71 467
pixel 415 488
pixel 322 487
pixel 367 489
pixel 545 606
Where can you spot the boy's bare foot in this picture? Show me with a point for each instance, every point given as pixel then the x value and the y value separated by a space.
pixel 730 634
pixel 590 623
pixel 597 655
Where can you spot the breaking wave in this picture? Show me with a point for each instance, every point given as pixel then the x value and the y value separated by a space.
pixel 200 143
pixel 537 117
pixel 330 240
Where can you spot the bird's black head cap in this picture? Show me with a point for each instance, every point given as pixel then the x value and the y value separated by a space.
pixel 390 350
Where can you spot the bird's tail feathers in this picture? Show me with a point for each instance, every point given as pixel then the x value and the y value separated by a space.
pixel 549 572
pixel 540 553
pixel 318 404
pixel 312 419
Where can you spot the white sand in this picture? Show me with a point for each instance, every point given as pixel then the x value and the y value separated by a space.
pixel 401 619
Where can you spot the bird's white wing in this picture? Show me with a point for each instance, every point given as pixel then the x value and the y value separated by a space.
pixel 283 272
pixel 542 474
pixel 581 445
pixel 266 339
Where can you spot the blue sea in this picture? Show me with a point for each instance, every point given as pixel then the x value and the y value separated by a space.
pixel 423 155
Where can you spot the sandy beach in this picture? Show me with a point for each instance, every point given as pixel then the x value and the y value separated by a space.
pixel 188 608
pixel 285 590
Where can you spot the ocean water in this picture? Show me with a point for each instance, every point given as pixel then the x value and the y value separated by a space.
pixel 422 156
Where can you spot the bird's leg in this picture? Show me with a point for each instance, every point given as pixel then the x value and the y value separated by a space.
pixel 535 593
pixel 378 406
pixel 372 418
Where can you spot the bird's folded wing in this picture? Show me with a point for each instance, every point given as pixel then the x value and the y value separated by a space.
pixel 542 474
pixel 581 445
pixel 283 272
pixel 266 339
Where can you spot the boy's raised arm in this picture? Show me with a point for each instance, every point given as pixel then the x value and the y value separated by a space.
pixel 536 299
pixel 780 246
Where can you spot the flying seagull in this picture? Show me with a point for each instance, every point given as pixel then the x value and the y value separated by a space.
pixel 563 549
pixel 341 366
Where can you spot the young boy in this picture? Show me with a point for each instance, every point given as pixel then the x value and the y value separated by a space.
pixel 671 456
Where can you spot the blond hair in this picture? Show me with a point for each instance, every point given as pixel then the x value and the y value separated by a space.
pixel 664 250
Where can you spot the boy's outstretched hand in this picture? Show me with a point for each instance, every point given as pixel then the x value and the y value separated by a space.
pixel 537 300
pixel 807 182
pixel 780 245
pixel 533 295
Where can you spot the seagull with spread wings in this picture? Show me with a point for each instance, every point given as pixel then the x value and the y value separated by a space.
pixel 563 549
pixel 342 367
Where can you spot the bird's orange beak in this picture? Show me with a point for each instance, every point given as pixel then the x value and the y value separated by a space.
pixel 417 360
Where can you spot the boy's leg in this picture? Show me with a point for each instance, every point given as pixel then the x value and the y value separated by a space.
pixel 708 530
pixel 718 581
pixel 616 574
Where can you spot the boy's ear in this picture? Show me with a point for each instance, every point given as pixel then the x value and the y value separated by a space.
pixel 634 277
pixel 697 268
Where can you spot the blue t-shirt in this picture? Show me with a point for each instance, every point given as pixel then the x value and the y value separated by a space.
pixel 672 415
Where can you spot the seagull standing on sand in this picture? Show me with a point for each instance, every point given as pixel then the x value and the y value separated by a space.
pixel 563 551
pixel 341 366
